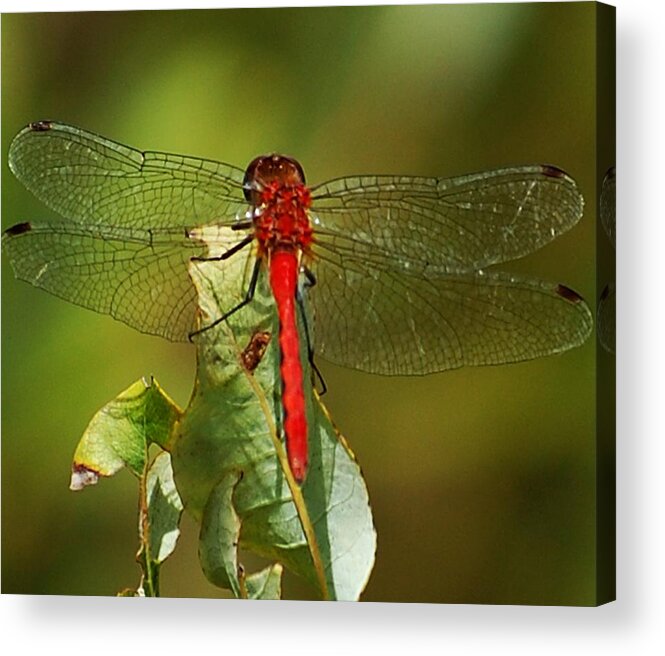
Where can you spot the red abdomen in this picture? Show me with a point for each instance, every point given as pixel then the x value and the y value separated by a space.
pixel 283 281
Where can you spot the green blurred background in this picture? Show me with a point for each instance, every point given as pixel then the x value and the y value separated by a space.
pixel 482 480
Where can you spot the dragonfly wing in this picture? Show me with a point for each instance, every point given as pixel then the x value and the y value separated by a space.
pixel 608 205
pixel 606 317
pixel 92 180
pixel 385 322
pixel 438 225
pixel 139 277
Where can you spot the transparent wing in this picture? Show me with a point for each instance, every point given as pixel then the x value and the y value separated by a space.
pixel 137 276
pixel 606 318
pixel 128 228
pixel 437 225
pixel 385 322
pixel 608 205
pixel 92 180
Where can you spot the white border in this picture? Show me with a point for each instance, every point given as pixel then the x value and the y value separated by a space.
pixel 59 625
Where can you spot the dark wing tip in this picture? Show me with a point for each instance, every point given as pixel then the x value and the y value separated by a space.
pixel 17 229
pixel 553 171
pixel 605 293
pixel 40 126
pixel 569 294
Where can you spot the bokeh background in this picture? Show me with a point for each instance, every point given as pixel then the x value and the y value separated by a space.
pixel 482 480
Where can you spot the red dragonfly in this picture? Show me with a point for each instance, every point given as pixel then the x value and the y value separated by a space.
pixel 399 262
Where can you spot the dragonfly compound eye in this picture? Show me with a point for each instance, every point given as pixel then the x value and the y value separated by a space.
pixel 266 169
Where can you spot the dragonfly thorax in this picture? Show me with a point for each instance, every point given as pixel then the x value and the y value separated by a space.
pixel 275 185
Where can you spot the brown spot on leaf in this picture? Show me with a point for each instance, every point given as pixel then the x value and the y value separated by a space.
pixel 254 351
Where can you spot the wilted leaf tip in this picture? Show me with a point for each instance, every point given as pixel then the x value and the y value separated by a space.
pixel 82 476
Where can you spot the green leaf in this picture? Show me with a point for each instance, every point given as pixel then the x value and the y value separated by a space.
pixel 164 510
pixel 120 433
pixel 322 531
pixel 266 584
pixel 160 509
pixel 220 531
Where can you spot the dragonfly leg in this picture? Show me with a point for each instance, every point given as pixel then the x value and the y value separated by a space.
pixel 242 225
pixel 311 278
pixel 316 373
pixel 232 251
pixel 248 298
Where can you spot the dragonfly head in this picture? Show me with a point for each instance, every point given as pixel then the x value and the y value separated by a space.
pixel 267 169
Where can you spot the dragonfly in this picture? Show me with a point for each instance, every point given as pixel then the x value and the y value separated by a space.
pixel 394 268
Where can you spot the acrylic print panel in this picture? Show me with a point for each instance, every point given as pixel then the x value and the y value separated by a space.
pixel 479 484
